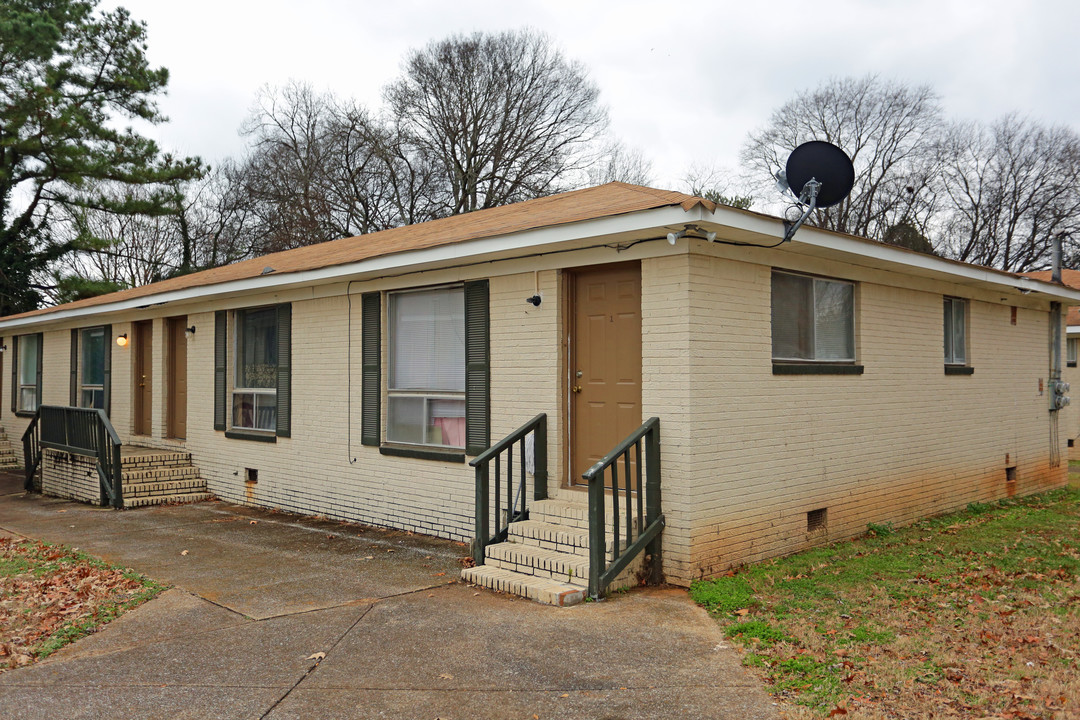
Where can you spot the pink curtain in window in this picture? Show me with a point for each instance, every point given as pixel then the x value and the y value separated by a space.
pixel 453 430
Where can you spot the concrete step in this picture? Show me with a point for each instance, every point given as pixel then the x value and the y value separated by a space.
pixel 165 499
pixel 575 514
pixel 159 474
pixel 561 538
pixel 535 588
pixel 530 560
pixel 168 487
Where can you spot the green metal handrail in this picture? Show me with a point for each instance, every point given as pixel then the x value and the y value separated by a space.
pixel 516 507
pixel 85 431
pixel 646 511
pixel 31 451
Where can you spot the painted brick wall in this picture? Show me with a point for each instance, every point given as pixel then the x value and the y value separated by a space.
pixel 67 475
pixel 899 442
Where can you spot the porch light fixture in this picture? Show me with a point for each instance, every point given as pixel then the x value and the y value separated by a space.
pixel 122 340
pixel 673 236
pixel 190 330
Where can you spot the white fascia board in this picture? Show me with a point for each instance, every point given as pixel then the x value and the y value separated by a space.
pixel 465 252
pixel 1072 330
pixel 813 237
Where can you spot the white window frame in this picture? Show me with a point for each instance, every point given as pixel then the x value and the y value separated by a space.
pixel 21 342
pixel 1072 345
pixel 261 397
pixel 85 387
pixel 426 395
pixel 813 317
pixel 950 306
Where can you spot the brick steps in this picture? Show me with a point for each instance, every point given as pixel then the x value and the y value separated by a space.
pixel 165 499
pixel 156 477
pixel 546 558
pixel 9 457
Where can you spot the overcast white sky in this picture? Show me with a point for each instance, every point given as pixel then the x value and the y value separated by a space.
pixel 684 81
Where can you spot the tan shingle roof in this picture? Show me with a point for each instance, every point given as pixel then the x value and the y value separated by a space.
pixel 579 205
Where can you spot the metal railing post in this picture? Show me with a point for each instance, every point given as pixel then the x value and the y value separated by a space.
pixel 596 533
pixel 652 500
pixel 482 533
pixel 540 471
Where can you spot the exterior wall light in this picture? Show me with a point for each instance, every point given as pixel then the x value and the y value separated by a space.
pixel 122 340
pixel 190 330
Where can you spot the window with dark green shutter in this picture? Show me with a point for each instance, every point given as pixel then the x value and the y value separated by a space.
pixel 26 373
pixel 91 368
pixel 258 400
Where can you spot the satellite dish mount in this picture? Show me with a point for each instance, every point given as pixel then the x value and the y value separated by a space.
pixel 823 175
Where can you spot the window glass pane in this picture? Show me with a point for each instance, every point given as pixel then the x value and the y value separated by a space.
pixel 959 332
pixel 243 410
pixel 426 421
pixel 92 398
pixel 28 360
pixel 427 340
pixel 256 351
pixel 834 325
pixel 1072 344
pixel 93 357
pixel 948 330
pixel 28 398
pixel 405 419
pixel 792 309
pixel 266 411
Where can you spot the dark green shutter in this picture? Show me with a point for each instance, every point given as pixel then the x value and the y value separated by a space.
pixel 40 367
pixel 73 389
pixel 106 381
pixel 370 369
pixel 477 368
pixel 15 373
pixel 284 370
pixel 221 354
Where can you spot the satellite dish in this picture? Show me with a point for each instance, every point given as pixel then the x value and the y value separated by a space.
pixel 825 163
pixel 819 175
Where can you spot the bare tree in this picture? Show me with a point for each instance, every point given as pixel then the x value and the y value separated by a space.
pixel 1007 190
pixel 500 117
pixel 716 184
pixel 619 163
pixel 888 129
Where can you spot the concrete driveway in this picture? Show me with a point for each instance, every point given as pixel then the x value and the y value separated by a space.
pixel 279 616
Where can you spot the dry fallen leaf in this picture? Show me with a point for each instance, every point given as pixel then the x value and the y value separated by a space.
pixel 742 611
pixel 183 552
pixel 369 557
pixel 446 676
pixel 316 656
pixel 253 522
pixel 565 695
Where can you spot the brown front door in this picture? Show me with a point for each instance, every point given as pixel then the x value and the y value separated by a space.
pixel 176 380
pixel 605 362
pixel 144 353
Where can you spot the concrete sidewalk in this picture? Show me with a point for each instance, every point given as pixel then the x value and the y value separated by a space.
pixel 259 596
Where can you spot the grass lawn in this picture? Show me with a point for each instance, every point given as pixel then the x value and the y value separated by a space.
pixel 974 615
pixel 51 595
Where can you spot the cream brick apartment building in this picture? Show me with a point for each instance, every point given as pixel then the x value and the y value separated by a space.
pixel 804 389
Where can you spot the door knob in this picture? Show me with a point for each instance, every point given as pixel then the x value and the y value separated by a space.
pixel 575 389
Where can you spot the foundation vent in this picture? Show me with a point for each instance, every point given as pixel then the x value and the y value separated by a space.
pixel 816 519
pixel 1010 474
